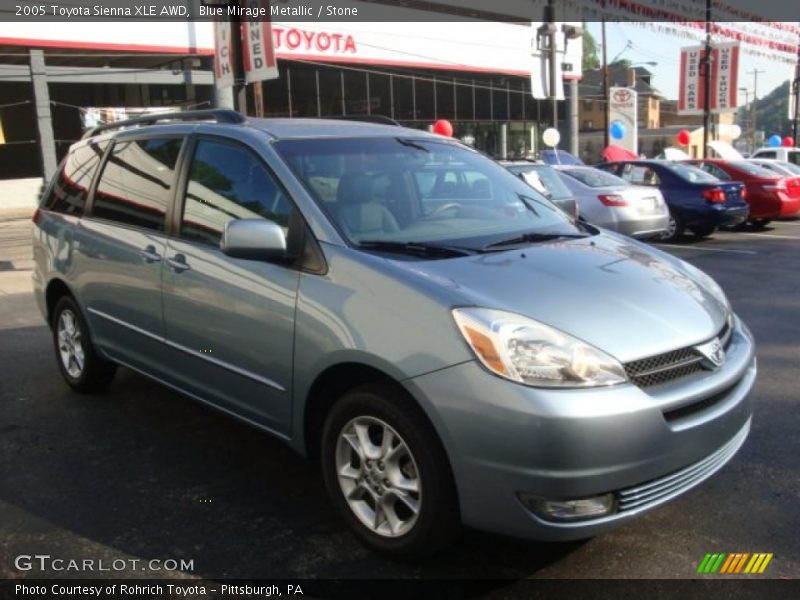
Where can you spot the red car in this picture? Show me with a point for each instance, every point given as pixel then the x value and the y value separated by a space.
pixel 769 194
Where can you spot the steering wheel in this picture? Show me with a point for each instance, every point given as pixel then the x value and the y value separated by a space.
pixel 443 208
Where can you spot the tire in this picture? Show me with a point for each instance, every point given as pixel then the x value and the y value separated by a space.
pixel 72 343
pixel 675 228
pixel 704 232
pixel 377 408
pixel 759 224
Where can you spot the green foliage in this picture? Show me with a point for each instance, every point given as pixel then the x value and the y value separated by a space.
pixel 772 112
pixel 591 59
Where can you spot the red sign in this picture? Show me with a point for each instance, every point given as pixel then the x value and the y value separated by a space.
pixel 258 54
pixel 724 79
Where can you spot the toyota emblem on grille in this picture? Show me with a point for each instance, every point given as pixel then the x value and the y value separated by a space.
pixel 713 353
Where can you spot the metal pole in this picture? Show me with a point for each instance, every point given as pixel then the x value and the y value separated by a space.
pixel 391 95
pixel 319 100
pixel 606 103
pixel 369 110
pixel 341 81
pixel 239 85
pixel 753 112
pixel 573 117
pixel 550 18
pixel 796 91
pixel 289 90
pixel 707 81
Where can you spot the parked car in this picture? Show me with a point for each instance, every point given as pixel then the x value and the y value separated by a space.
pixel 791 155
pixel 544 179
pixel 777 166
pixel 769 194
pixel 607 201
pixel 442 365
pixel 697 201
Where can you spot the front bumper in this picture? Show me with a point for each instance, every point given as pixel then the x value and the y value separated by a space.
pixel 505 439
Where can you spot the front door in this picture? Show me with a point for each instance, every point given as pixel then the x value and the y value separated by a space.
pixel 230 322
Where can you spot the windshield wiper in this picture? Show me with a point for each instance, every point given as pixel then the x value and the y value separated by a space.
pixel 532 238
pixel 415 248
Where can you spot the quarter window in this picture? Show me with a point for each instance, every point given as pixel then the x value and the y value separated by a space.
pixel 71 187
pixel 228 182
pixel 135 185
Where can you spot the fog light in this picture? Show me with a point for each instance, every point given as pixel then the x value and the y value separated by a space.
pixel 570 510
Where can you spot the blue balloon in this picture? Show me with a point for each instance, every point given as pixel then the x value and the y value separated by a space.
pixel 774 141
pixel 617 130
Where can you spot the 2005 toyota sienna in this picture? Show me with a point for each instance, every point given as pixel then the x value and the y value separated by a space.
pixel 451 346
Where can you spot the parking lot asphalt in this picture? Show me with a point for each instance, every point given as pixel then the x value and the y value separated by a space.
pixel 142 472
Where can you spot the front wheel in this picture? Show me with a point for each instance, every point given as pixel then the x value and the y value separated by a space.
pixel 387 474
pixel 80 365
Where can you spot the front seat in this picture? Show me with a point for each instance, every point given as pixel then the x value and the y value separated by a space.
pixel 357 213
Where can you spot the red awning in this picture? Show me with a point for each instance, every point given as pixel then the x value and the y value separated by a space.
pixel 618 153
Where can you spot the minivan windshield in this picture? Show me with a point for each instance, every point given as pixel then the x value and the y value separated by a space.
pixel 399 193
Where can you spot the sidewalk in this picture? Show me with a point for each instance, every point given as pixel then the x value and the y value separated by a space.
pixel 19 198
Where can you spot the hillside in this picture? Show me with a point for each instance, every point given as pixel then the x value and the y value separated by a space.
pixel 771 112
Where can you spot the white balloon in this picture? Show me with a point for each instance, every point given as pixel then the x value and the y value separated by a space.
pixel 736 132
pixel 551 137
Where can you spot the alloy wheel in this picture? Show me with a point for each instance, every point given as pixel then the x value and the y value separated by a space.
pixel 70 344
pixel 378 476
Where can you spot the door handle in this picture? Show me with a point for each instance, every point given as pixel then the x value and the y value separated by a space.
pixel 149 254
pixel 178 263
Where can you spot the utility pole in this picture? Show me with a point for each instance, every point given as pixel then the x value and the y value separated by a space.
pixel 239 84
pixel 550 20
pixel 796 92
pixel 606 103
pixel 755 73
pixel 707 81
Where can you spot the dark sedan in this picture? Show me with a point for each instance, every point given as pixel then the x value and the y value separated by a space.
pixel 697 201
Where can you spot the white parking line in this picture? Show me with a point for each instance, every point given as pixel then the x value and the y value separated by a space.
pixel 706 248
pixel 770 235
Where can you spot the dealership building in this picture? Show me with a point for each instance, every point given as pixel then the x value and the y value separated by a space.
pixel 58 78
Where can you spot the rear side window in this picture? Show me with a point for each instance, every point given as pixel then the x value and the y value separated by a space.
pixel 766 154
pixel 228 182
pixel 136 181
pixel 71 187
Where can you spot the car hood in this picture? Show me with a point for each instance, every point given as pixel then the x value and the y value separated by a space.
pixel 621 296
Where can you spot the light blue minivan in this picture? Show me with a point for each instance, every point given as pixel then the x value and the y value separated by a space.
pixel 452 347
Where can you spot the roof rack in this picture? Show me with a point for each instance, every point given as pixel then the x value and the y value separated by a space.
pixel 379 119
pixel 220 115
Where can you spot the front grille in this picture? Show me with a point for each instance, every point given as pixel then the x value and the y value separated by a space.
pixel 662 489
pixel 676 364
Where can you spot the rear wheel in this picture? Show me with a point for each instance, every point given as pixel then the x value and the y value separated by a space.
pixel 387 473
pixel 759 223
pixel 80 365
pixel 675 228
pixel 703 232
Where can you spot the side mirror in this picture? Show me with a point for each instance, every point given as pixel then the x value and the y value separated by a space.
pixel 254 239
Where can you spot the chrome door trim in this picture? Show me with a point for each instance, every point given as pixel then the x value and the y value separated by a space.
pixel 189 351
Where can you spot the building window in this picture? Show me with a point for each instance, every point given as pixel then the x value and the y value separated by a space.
pixel 588 124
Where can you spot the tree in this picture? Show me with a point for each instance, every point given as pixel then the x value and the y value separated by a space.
pixel 590 56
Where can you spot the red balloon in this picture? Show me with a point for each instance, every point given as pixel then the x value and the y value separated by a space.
pixel 684 137
pixel 788 142
pixel 443 127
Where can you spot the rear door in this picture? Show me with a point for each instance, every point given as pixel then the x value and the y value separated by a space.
pixel 229 322
pixel 122 246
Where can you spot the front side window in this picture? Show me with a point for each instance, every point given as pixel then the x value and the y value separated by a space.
pixel 793 156
pixel 418 191
pixel 71 187
pixel 134 188
pixel 226 182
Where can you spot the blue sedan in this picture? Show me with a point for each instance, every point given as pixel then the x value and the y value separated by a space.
pixel 697 201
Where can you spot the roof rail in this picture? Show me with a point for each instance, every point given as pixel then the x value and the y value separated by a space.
pixel 379 119
pixel 220 115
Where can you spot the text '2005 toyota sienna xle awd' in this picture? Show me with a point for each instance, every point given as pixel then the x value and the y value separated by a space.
pixel 451 346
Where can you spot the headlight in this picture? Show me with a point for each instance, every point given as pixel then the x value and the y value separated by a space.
pixel 529 352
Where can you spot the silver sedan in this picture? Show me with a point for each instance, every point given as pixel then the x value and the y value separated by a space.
pixel 607 201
